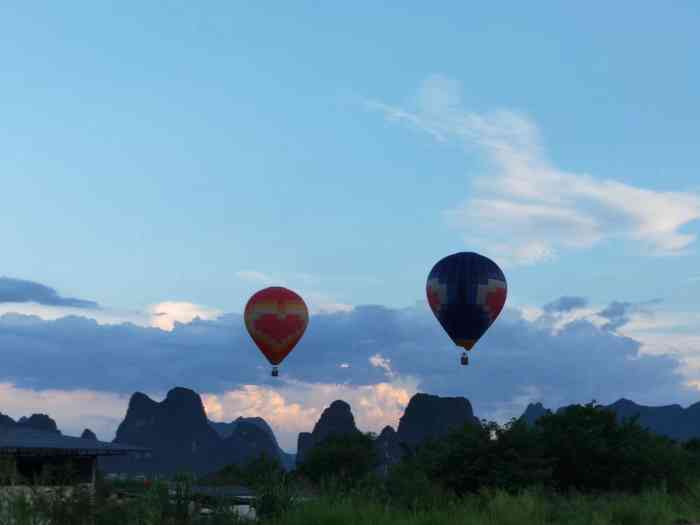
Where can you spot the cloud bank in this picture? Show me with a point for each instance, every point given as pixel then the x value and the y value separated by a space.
pixel 21 291
pixel 373 356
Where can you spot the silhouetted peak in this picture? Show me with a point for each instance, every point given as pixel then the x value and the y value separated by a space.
pixel 258 421
pixel 182 396
pixel 533 412
pixel 624 402
pixel 251 432
pixel 6 421
pixel 336 419
pixel 429 416
pixel 255 420
pixel 88 434
pixel 140 401
pixel 39 422
pixel 339 405
pixel 387 448
pixel 387 431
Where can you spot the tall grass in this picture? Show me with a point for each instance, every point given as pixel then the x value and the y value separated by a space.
pixel 369 503
pixel 497 507
pixel 75 504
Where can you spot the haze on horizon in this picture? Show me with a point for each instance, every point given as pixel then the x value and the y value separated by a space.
pixel 161 165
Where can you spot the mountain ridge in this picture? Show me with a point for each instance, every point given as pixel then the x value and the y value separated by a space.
pixel 181 436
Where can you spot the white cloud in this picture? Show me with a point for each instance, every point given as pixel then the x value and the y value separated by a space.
pixel 164 315
pixel 321 303
pixel 382 362
pixel 539 207
pixel 525 253
pixel 641 322
pixel 683 346
pixel 318 302
pixel 295 406
pixel 287 418
pixel 259 277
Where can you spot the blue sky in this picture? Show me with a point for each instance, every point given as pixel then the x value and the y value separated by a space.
pixel 178 159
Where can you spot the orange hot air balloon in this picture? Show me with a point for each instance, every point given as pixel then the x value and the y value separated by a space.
pixel 276 318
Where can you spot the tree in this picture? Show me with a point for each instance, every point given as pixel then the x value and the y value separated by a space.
pixel 346 458
pixel 474 457
pixel 593 452
pixel 257 471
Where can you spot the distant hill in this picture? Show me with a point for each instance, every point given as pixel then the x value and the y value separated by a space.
pixel 88 434
pixel 426 416
pixel 672 421
pixel 533 412
pixel 179 434
pixel 226 429
pixel 337 419
pixel 183 439
pixel 35 421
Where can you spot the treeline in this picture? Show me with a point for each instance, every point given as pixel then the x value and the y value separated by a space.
pixel 582 449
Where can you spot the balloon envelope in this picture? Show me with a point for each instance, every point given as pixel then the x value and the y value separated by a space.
pixel 466 292
pixel 276 318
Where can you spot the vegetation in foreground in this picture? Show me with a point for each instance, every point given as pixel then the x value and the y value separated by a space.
pixel 578 466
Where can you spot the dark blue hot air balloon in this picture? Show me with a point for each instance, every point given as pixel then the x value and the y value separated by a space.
pixel 466 292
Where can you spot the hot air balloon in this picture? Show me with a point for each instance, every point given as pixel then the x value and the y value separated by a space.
pixel 466 292
pixel 276 318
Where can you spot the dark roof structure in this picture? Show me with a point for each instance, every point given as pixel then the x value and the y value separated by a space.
pixel 229 491
pixel 17 440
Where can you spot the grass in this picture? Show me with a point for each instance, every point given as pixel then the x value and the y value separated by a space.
pixel 154 506
pixel 531 507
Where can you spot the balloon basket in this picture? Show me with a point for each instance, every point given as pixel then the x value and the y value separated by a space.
pixel 464 359
pixel 275 372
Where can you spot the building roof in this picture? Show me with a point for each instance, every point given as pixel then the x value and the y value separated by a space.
pixel 18 440
pixel 230 491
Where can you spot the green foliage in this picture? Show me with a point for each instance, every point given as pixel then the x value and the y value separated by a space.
pixel 582 448
pixel 262 470
pixel 75 505
pixel 8 470
pixel 274 497
pixel 346 458
pixel 409 487
pixel 579 466
pixel 593 452
pixel 257 471
pixel 498 507
pixel 487 506
pixel 475 457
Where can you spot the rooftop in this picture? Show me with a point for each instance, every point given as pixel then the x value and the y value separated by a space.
pixel 17 440
pixel 235 491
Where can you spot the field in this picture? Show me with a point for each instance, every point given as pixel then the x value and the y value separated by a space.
pixel 363 506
